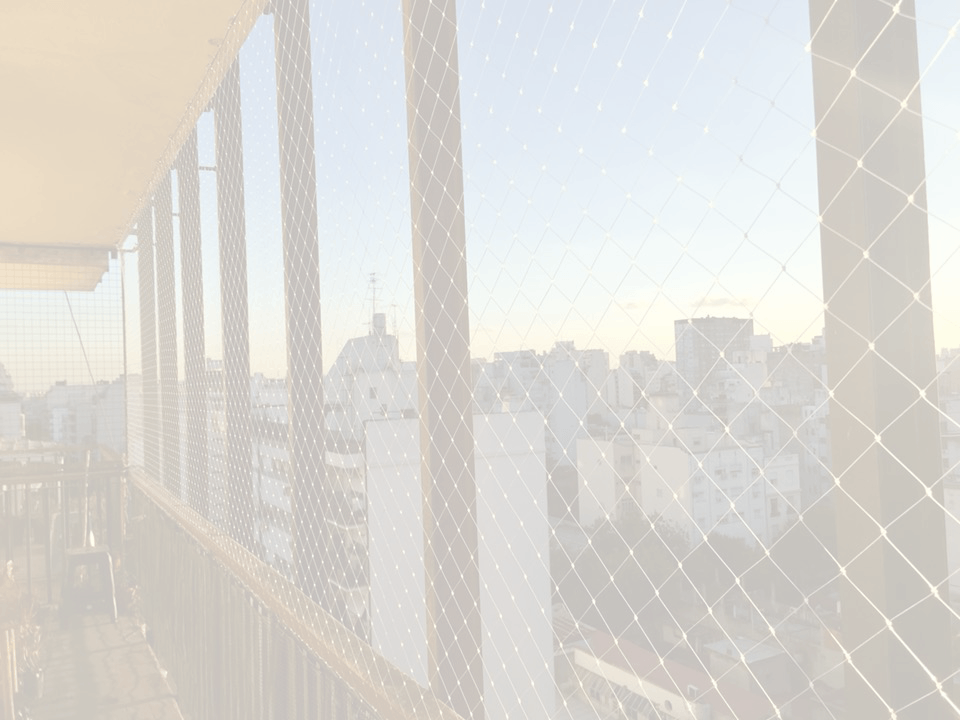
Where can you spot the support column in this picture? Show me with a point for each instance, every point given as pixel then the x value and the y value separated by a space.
pixel 881 359
pixel 232 226
pixel 167 334
pixel 443 355
pixel 301 276
pixel 191 266
pixel 148 344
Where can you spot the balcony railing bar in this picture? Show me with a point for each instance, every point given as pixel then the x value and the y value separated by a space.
pixel 389 692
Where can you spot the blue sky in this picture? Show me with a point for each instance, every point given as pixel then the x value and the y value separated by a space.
pixel 626 164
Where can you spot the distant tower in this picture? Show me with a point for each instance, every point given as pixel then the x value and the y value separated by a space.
pixel 373 290
pixel 704 346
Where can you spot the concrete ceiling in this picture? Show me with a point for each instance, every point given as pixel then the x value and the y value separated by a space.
pixel 96 100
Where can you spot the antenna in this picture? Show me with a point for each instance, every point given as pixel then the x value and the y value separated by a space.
pixel 373 287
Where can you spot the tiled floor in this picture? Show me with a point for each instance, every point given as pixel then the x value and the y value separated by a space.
pixel 101 670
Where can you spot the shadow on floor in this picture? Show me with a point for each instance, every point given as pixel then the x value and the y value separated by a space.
pixel 96 669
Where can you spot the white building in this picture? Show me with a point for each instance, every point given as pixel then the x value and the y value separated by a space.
pixel 11 411
pixel 515 584
pixel 11 417
pixel 707 482
pixel 570 387
pixel 87 415
pixel 606 470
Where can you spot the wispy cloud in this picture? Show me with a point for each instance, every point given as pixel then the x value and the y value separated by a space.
pixel 735 302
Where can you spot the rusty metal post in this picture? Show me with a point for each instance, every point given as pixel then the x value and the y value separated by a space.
pixel 301 275
pixel 191 267
pixel 167 337
pixel 443 354
pixel 148 343
pixel 881 359
pixel 232 225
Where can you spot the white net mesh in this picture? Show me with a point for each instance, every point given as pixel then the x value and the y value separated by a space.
pixel 626 400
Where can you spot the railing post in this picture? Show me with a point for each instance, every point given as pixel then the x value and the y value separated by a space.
pixel 167 334
pixel 881 359
pixel 191 262
pixel 443 354
pixel 26 493
pixel 232 225
pixel 148 344
pixel 301 277
pixel 47 542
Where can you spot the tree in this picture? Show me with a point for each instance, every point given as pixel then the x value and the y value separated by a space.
pixel 805 552
pixel 625 575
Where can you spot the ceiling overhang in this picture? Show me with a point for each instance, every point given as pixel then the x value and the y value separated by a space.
pixel 97 101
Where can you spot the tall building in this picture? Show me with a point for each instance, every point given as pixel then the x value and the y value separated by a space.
pixel 705 347
pixel 514 546
pixel 11 411
pixel 569 387
pixel 702 482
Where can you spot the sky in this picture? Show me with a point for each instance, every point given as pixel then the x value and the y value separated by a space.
pixel 626 164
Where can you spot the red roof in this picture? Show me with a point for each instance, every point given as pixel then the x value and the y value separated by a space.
pixel 725 699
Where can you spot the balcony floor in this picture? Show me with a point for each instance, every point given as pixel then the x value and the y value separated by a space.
pixel 101 669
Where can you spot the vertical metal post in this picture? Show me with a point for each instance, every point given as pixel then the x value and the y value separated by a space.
pixel 232 223
pixel 191 266
pixel 148 344
pixel 301 276
pixel 443 354
pixel 26 492
pixel 8 516
pixel 881 359
pixel 48 544
pixel 167 334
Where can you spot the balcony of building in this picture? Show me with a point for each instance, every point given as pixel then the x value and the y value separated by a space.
pixel 309 319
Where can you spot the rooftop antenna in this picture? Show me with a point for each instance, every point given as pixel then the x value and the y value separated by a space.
pixel 373 288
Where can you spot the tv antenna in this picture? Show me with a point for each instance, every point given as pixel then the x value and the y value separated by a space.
pixel 373 288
